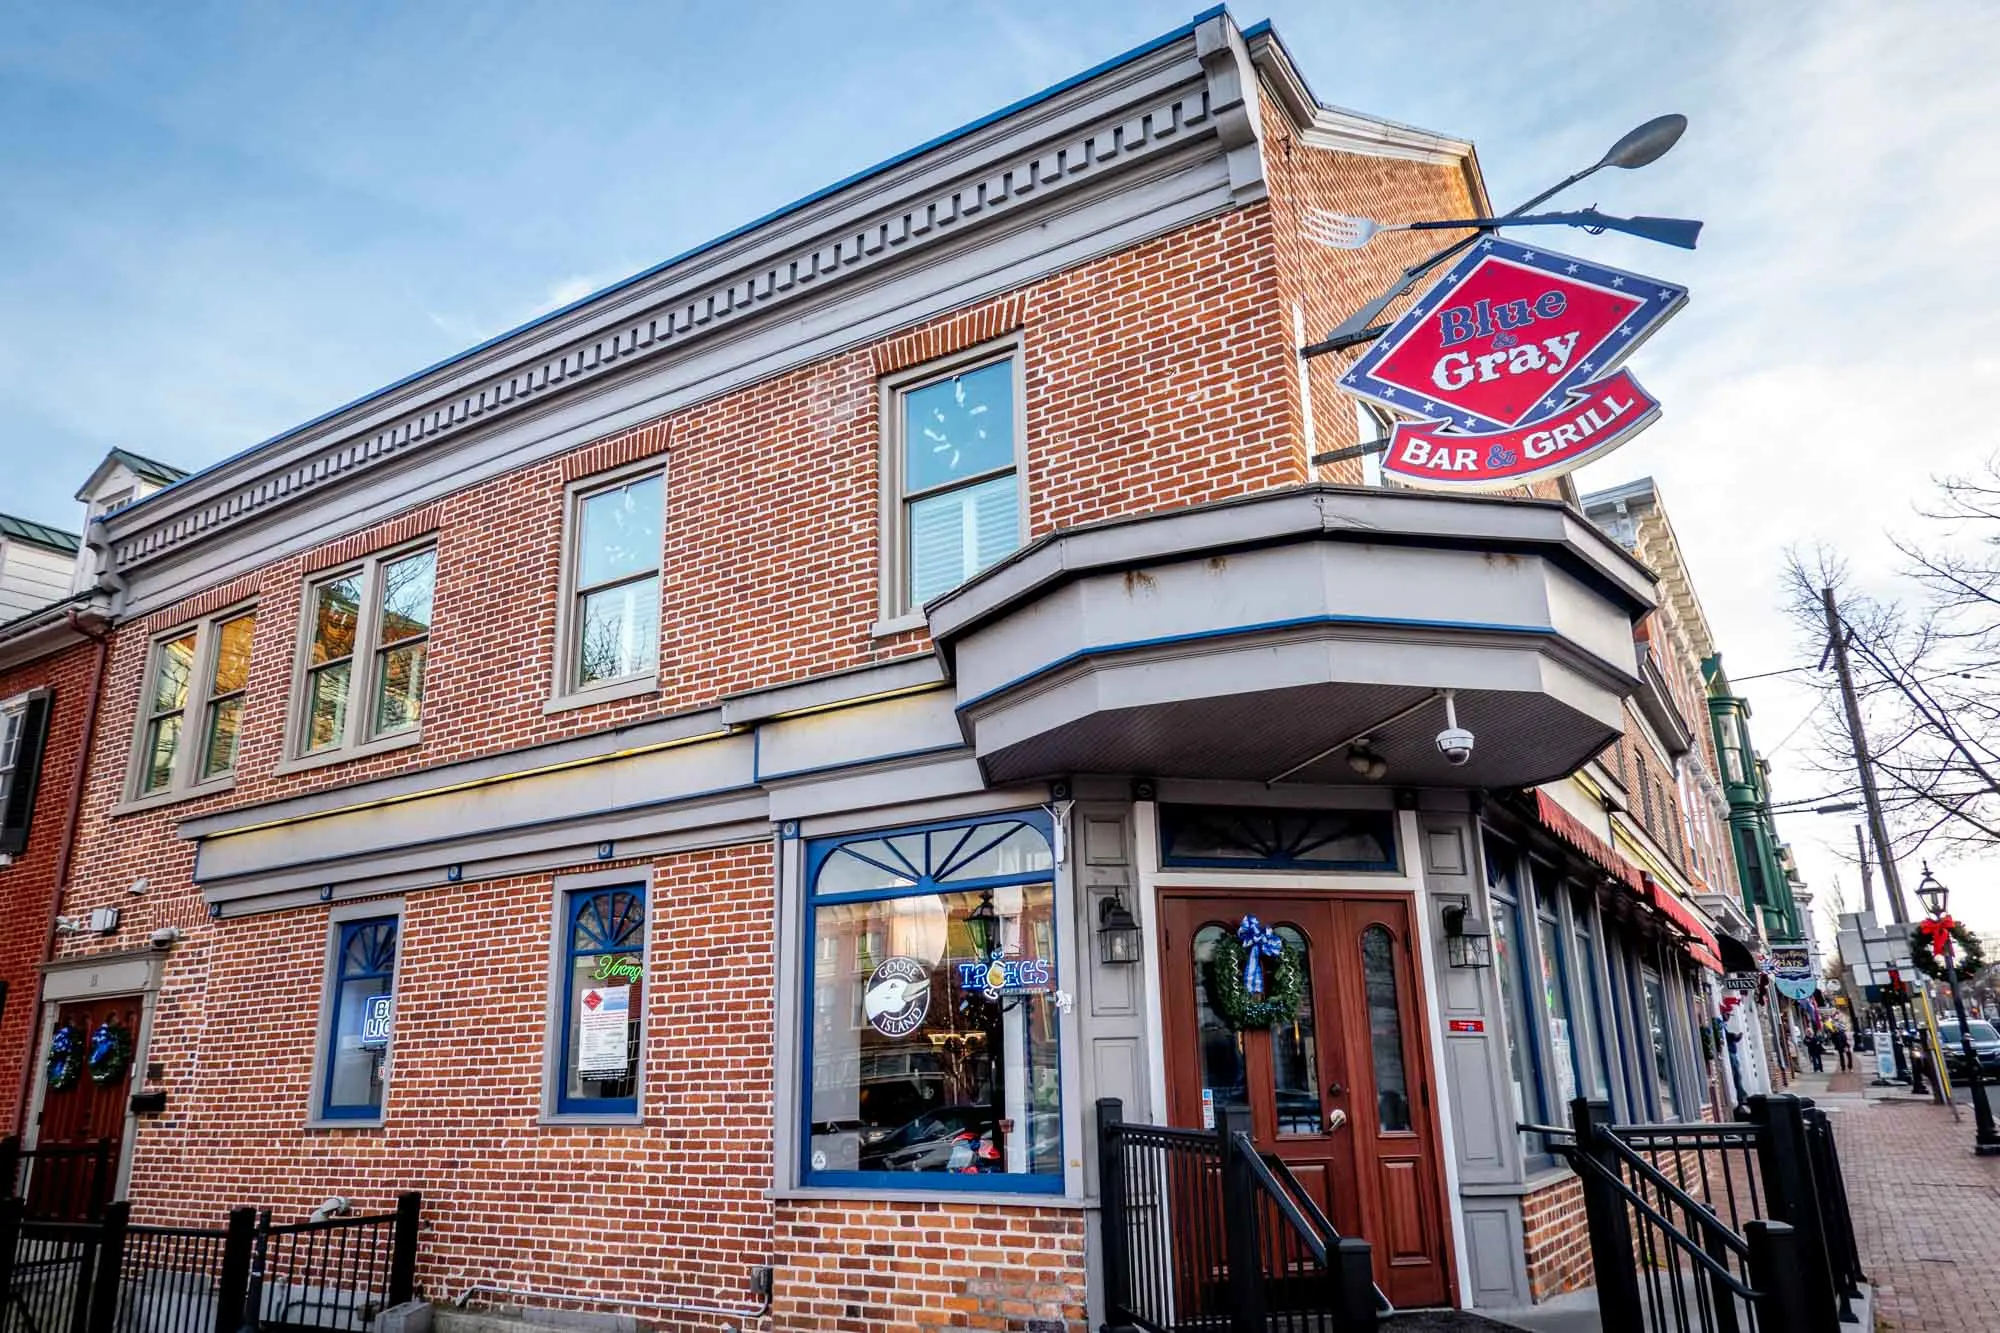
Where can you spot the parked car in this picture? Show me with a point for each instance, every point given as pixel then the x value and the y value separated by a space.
pixel 1985 1043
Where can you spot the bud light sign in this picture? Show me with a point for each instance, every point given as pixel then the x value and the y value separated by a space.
pixel 378 1015
pixel 1507 368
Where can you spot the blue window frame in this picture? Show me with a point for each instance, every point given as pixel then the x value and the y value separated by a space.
pixel 1513 955
pixel 931 1050
pixel 1227 837
pixel 358 1029
pixel 603 1000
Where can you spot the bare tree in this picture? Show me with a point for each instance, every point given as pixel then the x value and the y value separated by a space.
pixel 1925 669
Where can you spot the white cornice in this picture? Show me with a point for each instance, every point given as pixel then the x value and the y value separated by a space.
pixel 1347 131
pixel 1125 129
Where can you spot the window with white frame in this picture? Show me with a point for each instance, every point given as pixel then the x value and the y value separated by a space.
pixel 954 470
pixel 365 653
pixel 191 708
pixel 609 626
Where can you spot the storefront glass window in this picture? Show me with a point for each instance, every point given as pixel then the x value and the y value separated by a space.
pixel 1590 1007
pixel 1241 838
pixel 1660 1035
pixel 933 1059
pixel 603 1001
pixel 1510 964
pixel 358 1033
pixel 1564 1041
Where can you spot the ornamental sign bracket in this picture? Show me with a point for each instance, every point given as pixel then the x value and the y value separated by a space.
pixel 1506 370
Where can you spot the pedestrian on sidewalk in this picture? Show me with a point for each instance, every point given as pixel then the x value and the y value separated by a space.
pixel 1840 1047
pixel 1816 1049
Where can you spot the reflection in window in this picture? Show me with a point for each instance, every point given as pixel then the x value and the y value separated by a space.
pixel 961 491
pixel 616 573
pixel 604 1001
pixel 1591 1020
pixel 1565 1043
pixel 358 1029
pixel 1223 1072
pixel 1295 1053
pixel 1243 838
pixel 1657 1031
pixel 1508 965
pixel 934 1033
pixel 1385 1030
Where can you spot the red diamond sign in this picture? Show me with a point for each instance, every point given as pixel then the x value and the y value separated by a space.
pixel 591 999
pixel 1506 365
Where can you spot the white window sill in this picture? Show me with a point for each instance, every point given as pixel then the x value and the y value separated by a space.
pixel 174 796
pixel 903 624
pixel 373 1122
pixel 597 694
pixel 1005 1198
pixel 305 763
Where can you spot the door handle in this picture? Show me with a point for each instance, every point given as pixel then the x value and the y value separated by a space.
pixel 1335 1119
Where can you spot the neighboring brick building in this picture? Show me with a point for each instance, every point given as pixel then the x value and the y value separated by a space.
pixel 589 780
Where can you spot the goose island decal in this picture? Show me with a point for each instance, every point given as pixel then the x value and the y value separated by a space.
pixel 1507 369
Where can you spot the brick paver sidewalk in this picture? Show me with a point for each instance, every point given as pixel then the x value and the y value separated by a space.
pixel 1926 1211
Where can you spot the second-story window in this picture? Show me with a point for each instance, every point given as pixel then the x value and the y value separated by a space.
pixel 955 460
pixel 191 713
pixel 610 623
pixel 366 645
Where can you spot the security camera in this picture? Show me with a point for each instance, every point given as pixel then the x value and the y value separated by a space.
pixel 166 937
pixel 1455 744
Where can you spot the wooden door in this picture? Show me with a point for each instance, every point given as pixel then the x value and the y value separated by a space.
pixel 1342 1093
pixel 1394 1116
pixel 74 1165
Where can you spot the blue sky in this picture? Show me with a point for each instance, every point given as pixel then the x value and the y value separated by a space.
pixel 219 221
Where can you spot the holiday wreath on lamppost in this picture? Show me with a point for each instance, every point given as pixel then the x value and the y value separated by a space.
pixel 1237 985
pixel 1925 942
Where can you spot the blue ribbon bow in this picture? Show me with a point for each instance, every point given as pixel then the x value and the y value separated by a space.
pixel 1259 942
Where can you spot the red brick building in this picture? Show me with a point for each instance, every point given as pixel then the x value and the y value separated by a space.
pixel 595 780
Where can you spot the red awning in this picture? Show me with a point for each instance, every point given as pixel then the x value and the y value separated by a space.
pixel 1700 943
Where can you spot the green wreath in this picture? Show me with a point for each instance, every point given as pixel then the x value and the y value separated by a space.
pixel 1965 947
pixel 1285 981
pixel 65 1057
pixel 110 1053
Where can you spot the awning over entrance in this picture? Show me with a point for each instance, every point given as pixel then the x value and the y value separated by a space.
pixel 1267 638
pixel 1700 942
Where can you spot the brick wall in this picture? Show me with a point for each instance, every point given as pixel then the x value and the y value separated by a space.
pixel 28 884
pixel 673 1209
pixel 1159 376
pixel 927 1266
pixel 1557 1239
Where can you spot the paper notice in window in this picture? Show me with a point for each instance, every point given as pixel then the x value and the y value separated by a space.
pixel 603 1038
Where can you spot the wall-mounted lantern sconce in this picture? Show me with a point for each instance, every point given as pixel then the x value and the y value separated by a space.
pixel 1117 933
pixel 982 926
pixel 1466 942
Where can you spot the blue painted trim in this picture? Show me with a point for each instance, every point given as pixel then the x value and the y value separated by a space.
pixel 1181 33
pixel 565 1105
pixel 817 851
pixel 1296 622
pixel 328 1110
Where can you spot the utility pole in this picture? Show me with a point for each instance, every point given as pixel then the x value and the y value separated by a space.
pixel 1863 762
pixel 1867 871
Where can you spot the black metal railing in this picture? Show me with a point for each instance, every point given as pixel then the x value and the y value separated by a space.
pixel 1736 1228
pixel 1202 1232
pixel 335 1275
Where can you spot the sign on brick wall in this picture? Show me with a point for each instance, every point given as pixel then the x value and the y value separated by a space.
pixel 1507 369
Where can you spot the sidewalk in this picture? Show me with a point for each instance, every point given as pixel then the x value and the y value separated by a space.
pixel 1925 1209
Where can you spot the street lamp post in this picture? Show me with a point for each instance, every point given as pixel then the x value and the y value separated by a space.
pixel 1986 1140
